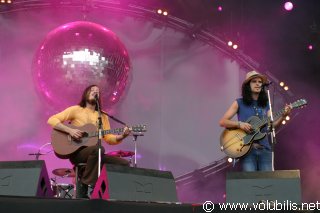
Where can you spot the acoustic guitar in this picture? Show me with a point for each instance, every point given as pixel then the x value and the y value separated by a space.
pixel 236 143
pixel 63 144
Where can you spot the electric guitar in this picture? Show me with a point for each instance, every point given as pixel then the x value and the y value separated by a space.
pixel 236 143
pixel 63 144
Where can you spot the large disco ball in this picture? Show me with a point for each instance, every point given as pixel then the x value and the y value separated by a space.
pixel 76 55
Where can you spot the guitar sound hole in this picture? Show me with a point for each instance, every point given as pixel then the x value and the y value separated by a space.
pixel 85 134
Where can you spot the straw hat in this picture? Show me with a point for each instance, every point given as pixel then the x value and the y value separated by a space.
pixel 254 74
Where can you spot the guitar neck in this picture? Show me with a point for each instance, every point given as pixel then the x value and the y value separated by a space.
pixel 278 114
pixel 296 104
pixel 105 132
pixel 112 131
pixel 275 117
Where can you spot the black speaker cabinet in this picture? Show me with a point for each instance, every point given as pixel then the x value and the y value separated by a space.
pixel 24 178
pixel 135 184
pixel 255 187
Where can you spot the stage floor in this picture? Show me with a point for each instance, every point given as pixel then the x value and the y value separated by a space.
pixel 17 204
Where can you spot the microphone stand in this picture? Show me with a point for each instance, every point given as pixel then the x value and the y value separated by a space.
pixel 115 119
pixel 273 132
pixel 99 133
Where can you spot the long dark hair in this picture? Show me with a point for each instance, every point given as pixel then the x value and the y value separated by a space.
pixel 247 96
pixel 83 102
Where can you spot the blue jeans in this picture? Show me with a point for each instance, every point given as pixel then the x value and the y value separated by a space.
pixel 257 160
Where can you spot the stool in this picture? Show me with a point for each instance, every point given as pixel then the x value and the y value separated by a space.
pixel 77 167
pixel 63 190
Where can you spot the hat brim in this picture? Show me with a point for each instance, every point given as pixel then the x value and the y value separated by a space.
pixel 264 78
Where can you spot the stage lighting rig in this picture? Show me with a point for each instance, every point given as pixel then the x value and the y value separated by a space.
pixel 5 1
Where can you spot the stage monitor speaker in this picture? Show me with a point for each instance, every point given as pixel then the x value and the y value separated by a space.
pixel 254 187
pixel 24 178
pixel 135 184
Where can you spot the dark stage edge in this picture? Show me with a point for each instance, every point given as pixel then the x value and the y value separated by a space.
pixel 15 204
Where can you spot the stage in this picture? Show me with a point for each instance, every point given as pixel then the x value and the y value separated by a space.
pixel 48 205
pixel 172 67
pixel 52 205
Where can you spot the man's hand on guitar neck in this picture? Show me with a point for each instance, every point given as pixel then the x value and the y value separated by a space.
pixel 126 132
pixel 287 110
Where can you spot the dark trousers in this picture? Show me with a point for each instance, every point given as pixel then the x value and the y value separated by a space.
pixel 89 155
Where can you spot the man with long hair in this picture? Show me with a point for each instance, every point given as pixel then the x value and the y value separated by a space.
pixel 254 102
pixel 86 113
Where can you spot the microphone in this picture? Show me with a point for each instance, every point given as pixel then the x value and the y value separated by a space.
pixel 96 96
pixel 267 83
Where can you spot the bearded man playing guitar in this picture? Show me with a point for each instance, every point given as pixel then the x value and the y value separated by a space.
pixel 82 114
pixel 254 102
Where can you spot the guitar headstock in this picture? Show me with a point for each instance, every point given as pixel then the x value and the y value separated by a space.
pixel 299 103
pixel 139 128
